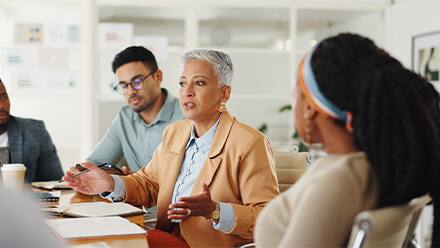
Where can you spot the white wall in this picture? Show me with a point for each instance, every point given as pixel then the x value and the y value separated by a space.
pixel 409 18
pixel 371 25
pixel 60 112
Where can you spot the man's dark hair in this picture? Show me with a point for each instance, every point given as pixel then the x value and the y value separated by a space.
pixel 133 54
pixel 396 117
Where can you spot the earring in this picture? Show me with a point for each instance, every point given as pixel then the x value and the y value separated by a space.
pixel 315 149
pixel 307 127
pixel 222 107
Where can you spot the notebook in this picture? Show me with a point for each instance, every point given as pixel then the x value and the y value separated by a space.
pixel 51 185
pixel 93 227
pixel 95 209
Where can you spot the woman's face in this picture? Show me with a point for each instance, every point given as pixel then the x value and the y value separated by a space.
pixel 199 93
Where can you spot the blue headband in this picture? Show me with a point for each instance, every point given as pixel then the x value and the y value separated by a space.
pixel 318 98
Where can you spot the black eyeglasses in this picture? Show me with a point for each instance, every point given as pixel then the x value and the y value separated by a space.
pixel 137 84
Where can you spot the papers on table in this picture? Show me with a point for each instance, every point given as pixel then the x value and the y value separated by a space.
pixel 91 245
pixel 96 209
pixel 51 185
pixel 94 227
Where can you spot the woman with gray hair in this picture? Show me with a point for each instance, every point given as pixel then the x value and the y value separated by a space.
pixel 210 176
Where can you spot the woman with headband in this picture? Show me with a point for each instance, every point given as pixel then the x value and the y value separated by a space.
pixel 378 122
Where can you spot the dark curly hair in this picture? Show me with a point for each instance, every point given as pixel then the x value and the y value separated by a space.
pixel 396 116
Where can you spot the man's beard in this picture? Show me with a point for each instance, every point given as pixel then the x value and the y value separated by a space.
pixel 140 108
pixel 4 126
pixel 145 106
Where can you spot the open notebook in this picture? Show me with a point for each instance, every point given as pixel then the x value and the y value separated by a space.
pixel 93 227
pixel 95 209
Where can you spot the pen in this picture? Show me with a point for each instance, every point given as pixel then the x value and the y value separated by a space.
pixel 83 170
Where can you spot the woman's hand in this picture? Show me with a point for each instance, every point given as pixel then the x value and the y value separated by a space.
pixel 196 205
pixel 94 182
pixel 126 170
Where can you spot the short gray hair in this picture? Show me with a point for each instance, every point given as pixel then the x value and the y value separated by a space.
pixel 220 61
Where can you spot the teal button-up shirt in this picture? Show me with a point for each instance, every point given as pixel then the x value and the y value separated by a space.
pixel 130 137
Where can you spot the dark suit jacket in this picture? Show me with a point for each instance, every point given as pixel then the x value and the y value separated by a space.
pixel 30 144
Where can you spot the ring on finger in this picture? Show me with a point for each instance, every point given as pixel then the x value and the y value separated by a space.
pixel 188 212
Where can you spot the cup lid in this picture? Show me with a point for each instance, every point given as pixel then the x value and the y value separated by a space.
pixel 7 167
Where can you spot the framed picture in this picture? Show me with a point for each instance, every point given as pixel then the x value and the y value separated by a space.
pixel 425 58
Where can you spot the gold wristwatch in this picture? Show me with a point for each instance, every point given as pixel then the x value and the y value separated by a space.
pixel 215 214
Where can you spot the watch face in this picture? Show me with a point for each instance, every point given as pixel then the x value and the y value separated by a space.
pixel 112 169
pixel 215 214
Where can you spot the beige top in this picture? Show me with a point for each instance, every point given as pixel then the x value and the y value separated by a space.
pixel 320 208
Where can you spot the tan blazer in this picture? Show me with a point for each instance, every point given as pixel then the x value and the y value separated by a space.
pixel 240 169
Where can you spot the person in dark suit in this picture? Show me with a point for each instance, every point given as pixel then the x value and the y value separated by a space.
pixel 29 143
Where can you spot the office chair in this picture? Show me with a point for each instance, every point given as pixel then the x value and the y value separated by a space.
pixel 388 227
pixel 289 167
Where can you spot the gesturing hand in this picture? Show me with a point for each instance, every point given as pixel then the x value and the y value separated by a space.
pixel 196 205
pixel 94 182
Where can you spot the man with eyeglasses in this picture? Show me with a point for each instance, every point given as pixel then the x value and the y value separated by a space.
pixel 26 141
pixel 137 130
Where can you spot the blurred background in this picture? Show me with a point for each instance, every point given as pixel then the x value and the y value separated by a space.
pixel 55 54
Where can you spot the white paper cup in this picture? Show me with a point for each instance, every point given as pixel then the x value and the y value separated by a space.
pixel 13 176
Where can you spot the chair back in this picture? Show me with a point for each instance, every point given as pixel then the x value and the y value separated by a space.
pixel 289 167
pixel 387 227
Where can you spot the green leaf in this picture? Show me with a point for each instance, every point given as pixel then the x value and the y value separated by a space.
pixel 285 108
pixel 303 147
pixel 263 128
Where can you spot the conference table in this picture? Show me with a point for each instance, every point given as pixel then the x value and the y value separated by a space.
pixel 70 196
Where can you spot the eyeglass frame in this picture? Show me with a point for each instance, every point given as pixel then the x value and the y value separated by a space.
pixel 4 97
pixel 115 88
